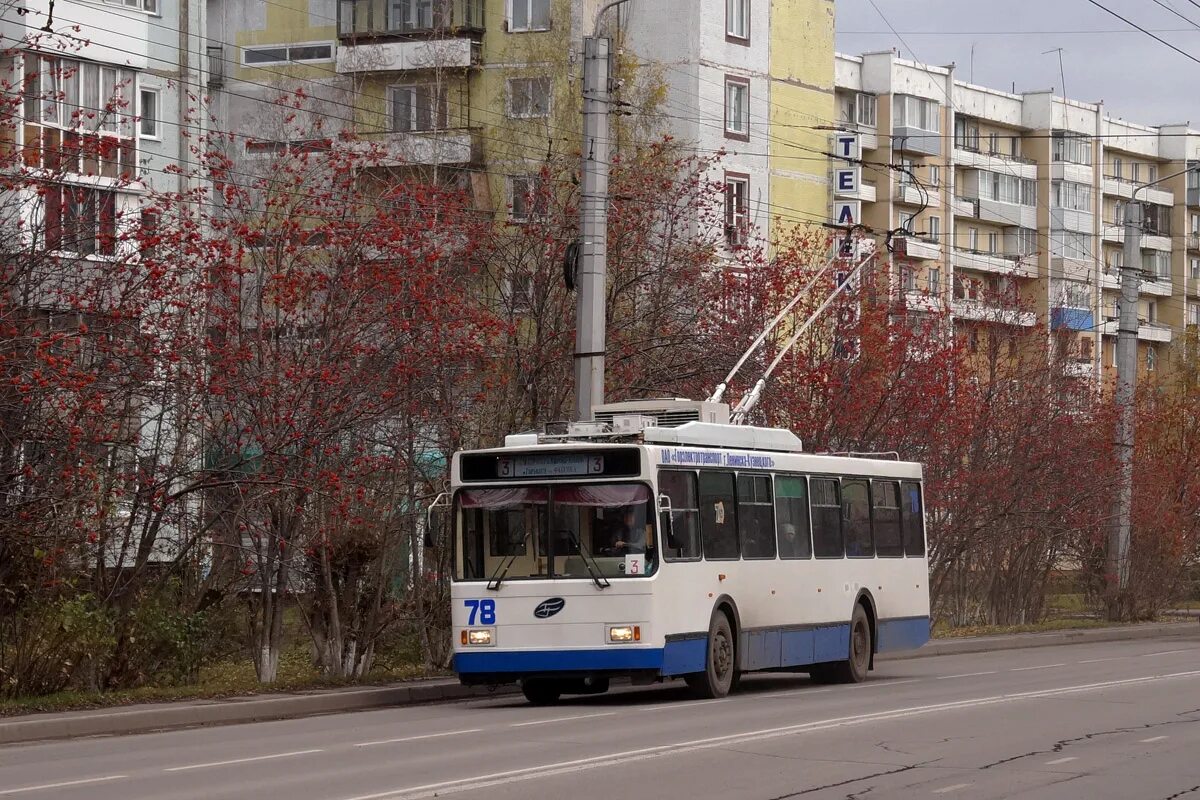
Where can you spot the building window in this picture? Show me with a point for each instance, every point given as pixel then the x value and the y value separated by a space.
pixel 993 243
pixel 1157 264
pixel 1027 243
pixel 1152 176
pixel 1116 168
pixel 972 238
pixel 1151 311
pixel 1074 148
pixel 1193 317
pixel 1135 172
pixel 1195 269
pixel 149 6
pixel 1073 196
pixel 867 106
pixel 916 112
pixel 528 15
pixel 1070 244
pixel 737 209
pixel 418 15
pixel 418 108
pixel 1151 358
pixel 994 144
pixel 1007 189
pixel 908 277
pixel 527 198
pixel 81 220
pixel 737 108
pixel 148 113
pixel 935 281
pixel 737 19
pixel 935 228
pixel 287 53
pixel 529 98
pixel 935 175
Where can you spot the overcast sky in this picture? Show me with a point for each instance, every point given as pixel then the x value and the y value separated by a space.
pixel 1103 58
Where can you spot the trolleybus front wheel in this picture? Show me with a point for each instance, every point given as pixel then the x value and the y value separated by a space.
pixel 721 665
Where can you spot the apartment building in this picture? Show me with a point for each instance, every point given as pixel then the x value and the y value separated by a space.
pixel 107 90
pixel 1010 207
pixel 481 89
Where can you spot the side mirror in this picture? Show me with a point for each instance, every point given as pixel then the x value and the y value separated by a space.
pixel 666 523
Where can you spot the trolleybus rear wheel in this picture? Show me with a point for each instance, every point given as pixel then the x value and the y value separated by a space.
pixel 541 693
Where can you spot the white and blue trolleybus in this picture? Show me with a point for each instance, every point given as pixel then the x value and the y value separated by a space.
pixel 662 542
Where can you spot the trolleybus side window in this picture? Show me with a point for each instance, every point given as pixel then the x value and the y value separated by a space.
pixel 826 518
pixel 718 515
pixel 684 541
pixel 791 514
pixel 856 501
pixel 885 514
pixel 756 516
pixel 913 519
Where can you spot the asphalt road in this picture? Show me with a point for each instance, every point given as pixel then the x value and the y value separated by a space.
pixel 1106 720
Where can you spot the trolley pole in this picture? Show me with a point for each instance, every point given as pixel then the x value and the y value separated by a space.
pixel 591 279
pixel 1127 333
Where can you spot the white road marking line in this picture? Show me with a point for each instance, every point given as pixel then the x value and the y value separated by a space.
pixel 953 788
pixel 883 683
pixel 242 760
pixel 686 704
pixel 967 675
pixel 418 738
pixel 1170 652
pixel 489 780
pixel 1098 660
pixel 1154 739
pixel 561 719
pixel 63 785
pixel 1040 666
pixel 1061 760
pixel 788 693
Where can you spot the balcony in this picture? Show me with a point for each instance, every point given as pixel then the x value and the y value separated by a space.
pixel 1147 331
pixel 1007 213
pixel 913 195
pixel 1193 241
pixel 1113 231
pixel 1123 187
pixel 965 207
pixel 1078 368
pixel 1192 287
pixel 1068 171
pixel 995 162
pixel 866 193
pixel 428 148
pixel 1159 286
pixel 1156 241
pixel 995 263
pixel 922 249
pixel 1075 319
pixel 981 311
pixel 918 300
pixel 397 35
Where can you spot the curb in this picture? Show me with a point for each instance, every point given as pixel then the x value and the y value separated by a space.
pixel 1022 641
pixel 157 717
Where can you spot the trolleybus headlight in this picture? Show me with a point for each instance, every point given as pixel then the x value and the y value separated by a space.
pixel 478 637
pixel 625 633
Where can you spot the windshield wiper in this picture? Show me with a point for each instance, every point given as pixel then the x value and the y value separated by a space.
pixel 597 578
pixel 497 578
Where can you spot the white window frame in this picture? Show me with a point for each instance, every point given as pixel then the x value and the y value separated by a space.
pixel 1151 358
pixel 935 175
pixel 737 19
pixel 972 238
pixel 934 223
pixel 737 214
pixel 155 116
pixel 524 88
pixel 287 48
pixel 520 209
pixel 145 6
pixel 439 111
pixel 737 124
pixel 510 7
pixel 867 110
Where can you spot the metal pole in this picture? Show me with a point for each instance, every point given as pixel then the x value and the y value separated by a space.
pixel 593 228
pixel 1127 335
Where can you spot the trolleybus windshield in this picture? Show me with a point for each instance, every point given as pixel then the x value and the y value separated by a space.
pixel 537 531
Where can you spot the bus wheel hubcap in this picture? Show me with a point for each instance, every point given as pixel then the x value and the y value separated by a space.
pixel 722 654
pixel 860 643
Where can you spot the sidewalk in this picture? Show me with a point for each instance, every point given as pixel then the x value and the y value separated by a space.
pixel 146 717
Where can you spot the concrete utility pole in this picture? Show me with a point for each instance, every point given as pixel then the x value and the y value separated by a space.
pixel 592 278
pixel 1127 333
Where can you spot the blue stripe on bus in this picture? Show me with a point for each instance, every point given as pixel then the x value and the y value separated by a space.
pixel 765 648
pixel 902 634
pixel 613 658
